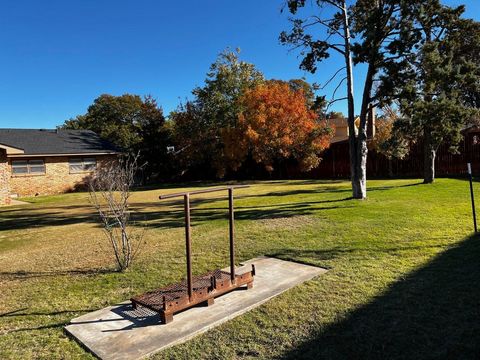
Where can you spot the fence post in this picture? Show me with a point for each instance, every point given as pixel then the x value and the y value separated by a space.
pixel 472 197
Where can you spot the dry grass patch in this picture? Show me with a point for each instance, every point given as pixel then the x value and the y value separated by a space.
pixel 288 222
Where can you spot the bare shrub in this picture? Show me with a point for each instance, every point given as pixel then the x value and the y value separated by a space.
pixel 110 190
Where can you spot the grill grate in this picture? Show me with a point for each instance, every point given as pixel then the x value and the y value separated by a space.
pixel 155 299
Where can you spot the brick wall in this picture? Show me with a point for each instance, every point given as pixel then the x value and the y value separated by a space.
pixel 57 178
pixel 4 179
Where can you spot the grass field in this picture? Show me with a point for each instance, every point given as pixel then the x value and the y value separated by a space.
pixel 403 281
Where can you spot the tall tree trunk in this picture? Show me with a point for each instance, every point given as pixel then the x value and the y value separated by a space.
pixel 429 154
pixel 362 149
pixel 361 164
pixel 351 103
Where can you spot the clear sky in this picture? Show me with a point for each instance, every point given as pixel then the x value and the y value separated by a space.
pixel 57 56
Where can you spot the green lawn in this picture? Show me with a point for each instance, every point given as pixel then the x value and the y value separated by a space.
pixel 403 281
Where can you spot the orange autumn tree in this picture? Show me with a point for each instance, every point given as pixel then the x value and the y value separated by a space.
pixel 276 123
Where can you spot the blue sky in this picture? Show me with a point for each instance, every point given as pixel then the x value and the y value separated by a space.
pixel 58 56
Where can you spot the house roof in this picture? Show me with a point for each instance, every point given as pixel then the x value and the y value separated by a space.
pixel 341 128
pixel 53 142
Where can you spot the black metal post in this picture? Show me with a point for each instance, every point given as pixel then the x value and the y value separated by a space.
pixel 188 246
pixel 469 168
pixel 232 235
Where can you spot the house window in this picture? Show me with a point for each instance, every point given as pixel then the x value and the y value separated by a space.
pixel 82 165
pixel 25 167
pixel 89 164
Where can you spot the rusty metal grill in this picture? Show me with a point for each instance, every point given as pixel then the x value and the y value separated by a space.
pixel 155 299
pixel 199 289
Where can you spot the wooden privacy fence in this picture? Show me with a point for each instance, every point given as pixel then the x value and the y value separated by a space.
pixel 336 164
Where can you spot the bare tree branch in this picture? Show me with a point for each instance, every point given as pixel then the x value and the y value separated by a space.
pixel 332 78
pixel 338 87
pixel 109 190
pixel 327 24
pixel 337 49
pixel 331 102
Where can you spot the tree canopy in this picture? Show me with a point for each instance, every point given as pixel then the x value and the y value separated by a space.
pixel 120 119
pixel 418 51
pixel 238 115
pixel 201 125
pixel 437 82
pixel 361 33
pixel 275 123
pixel 133 123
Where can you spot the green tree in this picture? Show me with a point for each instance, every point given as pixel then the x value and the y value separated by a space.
pixel 156 135
pixel 335 115
pixel 193 149
pixel 361 33
pixel 115 118
pixel 465 57
pixel 436 84
pixel 132 123
pixel 203 124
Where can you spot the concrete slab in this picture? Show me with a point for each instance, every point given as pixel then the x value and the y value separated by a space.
pixel 121 333
pixel 14 202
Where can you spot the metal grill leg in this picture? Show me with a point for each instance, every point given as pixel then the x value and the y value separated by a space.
pixel 210 302
pixel 188 242
pixel 232 235
pixel 166 317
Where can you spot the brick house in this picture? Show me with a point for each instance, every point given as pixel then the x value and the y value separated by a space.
pixel 44 162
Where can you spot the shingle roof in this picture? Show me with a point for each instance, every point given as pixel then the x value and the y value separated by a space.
pixel 40 141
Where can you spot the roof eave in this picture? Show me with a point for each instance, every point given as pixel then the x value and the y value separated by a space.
pixel 11 150
pixel 64 154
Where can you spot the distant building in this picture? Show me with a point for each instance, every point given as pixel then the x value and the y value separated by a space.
pixel 341 127
pixel 42 162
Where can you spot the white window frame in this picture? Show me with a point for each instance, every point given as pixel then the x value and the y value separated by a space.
pixel 30 166
pixel 86 164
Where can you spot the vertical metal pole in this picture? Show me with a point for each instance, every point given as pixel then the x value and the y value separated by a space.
pixel 188 245
pixel 232 235
pixel 469 168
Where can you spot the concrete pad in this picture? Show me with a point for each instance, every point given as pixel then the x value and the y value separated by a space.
pixel 14 202
pixel 121 333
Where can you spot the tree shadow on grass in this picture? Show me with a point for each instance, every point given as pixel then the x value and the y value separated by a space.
pixel 24 312
pixel 315 257
pixel 309 257
pixel 175 219
pixel 43 317
pixel 58 325
pixel 163 215
pixel 170 213
pixel 291 204
pixel 35 219
pixel 433 313
pixel 329 189
pixel 37 274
